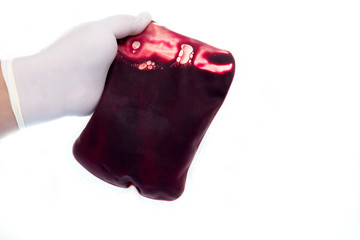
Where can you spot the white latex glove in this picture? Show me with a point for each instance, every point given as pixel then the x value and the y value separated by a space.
pixel 68 77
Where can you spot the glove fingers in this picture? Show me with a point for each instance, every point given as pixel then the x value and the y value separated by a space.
pixel 126 25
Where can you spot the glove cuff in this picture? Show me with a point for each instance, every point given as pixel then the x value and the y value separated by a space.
pixel 7 69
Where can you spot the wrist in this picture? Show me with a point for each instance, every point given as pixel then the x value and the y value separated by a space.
pixel 7 118
pixel 40 98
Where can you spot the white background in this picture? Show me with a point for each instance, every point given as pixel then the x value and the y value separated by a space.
pixel 281 160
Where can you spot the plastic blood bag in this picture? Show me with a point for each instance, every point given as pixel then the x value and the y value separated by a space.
pixel 161 94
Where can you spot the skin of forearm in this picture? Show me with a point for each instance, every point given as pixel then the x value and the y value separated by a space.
pixel 7 118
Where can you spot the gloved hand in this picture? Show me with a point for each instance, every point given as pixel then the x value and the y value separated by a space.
pixel 68 77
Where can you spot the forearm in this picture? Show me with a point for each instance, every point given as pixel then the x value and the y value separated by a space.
pixel 7 118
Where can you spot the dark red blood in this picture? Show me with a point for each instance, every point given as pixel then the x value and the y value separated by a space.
pixel 148 124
